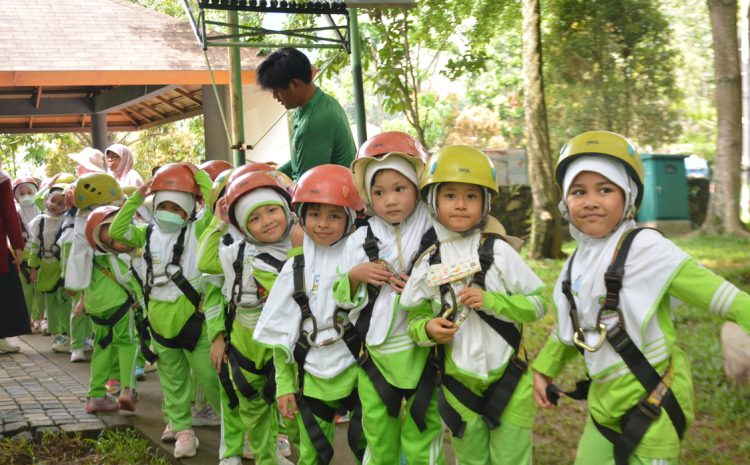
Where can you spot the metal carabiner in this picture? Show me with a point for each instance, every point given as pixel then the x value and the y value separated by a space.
pixel 311 337
pixel 580 340
pixel 446 312
pixel 388 267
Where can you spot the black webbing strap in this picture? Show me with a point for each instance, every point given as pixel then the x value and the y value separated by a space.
pixel 238 362
pixel 425 389
pixel 178 278
pixel 271 260
pixel 579 393
pixel 111 321
pixel 144 335
pixel 188 336
pixel 309 408
pixel 497 396
pixel 226 383
pixel 54 248
pixel 428 240
pixel 637 419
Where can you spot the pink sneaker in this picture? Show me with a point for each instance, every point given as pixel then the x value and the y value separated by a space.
pixel 101 405
pixel 186 445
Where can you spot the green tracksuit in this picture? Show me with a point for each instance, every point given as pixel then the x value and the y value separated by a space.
pixel 609 399
pixel 167 318
pixel 103 298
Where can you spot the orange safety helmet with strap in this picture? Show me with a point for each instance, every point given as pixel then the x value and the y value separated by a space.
pixel 94 223
pixel 248 168
pixel 176 177
pixel 26 180
pixel 215 167
pixel 245 184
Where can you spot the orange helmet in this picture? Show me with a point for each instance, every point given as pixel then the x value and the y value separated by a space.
pixel 176 177
pixel 94 222
pixel 26 180
pixel 330 184
pixel 247 183
pixel 214 167
pixel 248 168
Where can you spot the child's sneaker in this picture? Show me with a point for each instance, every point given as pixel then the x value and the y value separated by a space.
pixel 168 435
pixel 7 347
pixel 113 387
pixel 88 344
pixel 140 375
pixel 61 343
pixel 43 327
pixel 186 444
pixel 101 405
pixel 149 367
pixel 78 356
pixel 283 446
pixel 127 399
pixel 341 419
pixel 205 417
pixel 231 461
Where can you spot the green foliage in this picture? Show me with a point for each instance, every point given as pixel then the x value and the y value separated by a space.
pixel 169 143
pixel 128 446
pixel 610 65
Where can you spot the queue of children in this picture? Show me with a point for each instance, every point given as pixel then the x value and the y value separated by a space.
pixel 270 297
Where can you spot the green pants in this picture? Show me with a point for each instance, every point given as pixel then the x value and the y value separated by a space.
pixel 57 306
pixel 232 432
pixel 123 349
pixel 507 444
pixel 594 449
pixel 389 437
pixel 307 453
pixel 80 329
pixel 33 299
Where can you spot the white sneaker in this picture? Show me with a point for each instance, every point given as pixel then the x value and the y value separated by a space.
pixel 77 356
pixel 61 343
pixel 186 445
pixel 281 460
pixel 88 344
pixel 231 461
pixel 282 445
pixel 7 347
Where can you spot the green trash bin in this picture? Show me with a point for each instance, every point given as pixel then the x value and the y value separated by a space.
pixel 665 190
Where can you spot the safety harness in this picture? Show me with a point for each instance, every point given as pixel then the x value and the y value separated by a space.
pixel 491 405
pixel 310 407
pixel 142 326
pixel 122 310
pixel 237 361
pixel 637 420
pixel 190 333
pixel 53 252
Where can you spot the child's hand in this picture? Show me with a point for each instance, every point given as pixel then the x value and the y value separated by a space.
pixel 217 352
pixel 143 189
pixel 33 275
pixel 18 258
pixel 398 283
pixel 471 297
pixel 287 406
pixel 370 273
pixel 540 390
pixel 440 330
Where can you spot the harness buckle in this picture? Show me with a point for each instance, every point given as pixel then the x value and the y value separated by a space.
pixel 580 340
pixel 650 410
pixel 618 337
pixel 519 363
pixel 613 281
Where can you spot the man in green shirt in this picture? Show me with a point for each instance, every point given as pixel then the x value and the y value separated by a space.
pixel 321 131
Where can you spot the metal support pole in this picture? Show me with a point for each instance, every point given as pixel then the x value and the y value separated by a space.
pixel 359 93
pixel 235 100
pixel 99 134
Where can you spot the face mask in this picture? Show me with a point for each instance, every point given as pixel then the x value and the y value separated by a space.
pixel 26 200
pixel 168 221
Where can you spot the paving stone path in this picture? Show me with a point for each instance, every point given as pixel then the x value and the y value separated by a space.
pixel 36 396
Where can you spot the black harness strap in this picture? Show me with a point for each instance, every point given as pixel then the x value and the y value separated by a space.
pixel 308 406
pixel 54 249
pixel 238 362
pixel 144 335
pixel 190 333
pixel 111 322
pixel 637 420
pixel 497 396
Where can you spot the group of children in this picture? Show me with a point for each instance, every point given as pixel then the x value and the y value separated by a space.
pixel 287 303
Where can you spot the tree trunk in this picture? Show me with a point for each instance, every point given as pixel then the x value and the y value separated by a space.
pixel 723 209
pixel 545 219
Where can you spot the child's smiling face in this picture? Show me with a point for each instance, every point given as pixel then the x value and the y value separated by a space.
pixel 267 223
pixel 325 224
pixel 55 203
pixel 459 205
pixel 393 196
pixel 596 204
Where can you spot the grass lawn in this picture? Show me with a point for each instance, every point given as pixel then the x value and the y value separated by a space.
pixel 719 434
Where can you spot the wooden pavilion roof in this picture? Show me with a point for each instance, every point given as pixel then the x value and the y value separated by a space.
pixel 61 61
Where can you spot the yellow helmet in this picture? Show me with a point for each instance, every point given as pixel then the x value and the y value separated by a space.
pixel 459 163
pixel 96 189
pixel 218 188
pixel 61 180
pixel 604 143
pixel 127 191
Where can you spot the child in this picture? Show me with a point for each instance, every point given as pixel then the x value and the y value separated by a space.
pixel 172 299
pixel 378 257
pixel 613 305
pixel 45 260
pixel 108 300
pixel 24 190
pixel 301 319
pixel 258 206
pixel 470 294
pixel 90 191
